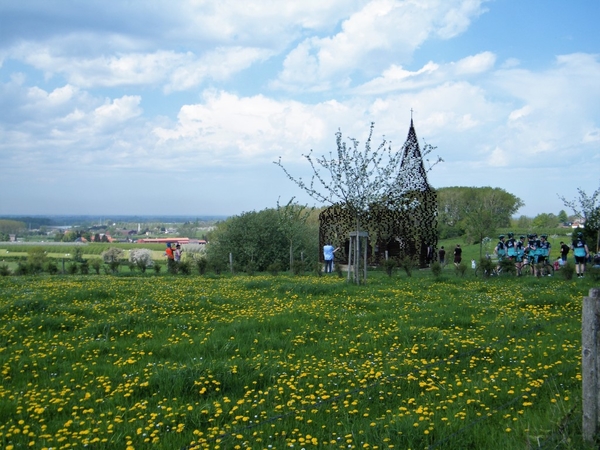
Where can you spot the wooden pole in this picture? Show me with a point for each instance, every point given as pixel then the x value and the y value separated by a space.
pixel 590 318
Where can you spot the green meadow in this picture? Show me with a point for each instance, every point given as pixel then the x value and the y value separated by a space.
pixel 279 362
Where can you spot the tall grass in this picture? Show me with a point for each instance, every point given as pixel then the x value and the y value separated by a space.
pixel 288 361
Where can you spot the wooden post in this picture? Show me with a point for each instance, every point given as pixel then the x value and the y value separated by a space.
pixel 590 326
pixel 354 255
pixel 231 262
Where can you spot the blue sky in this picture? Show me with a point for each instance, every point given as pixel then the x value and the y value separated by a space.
pixel 181 107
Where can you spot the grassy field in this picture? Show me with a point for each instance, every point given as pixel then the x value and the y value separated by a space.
pixel 175 362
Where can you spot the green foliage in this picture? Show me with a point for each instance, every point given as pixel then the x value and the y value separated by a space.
pixel 274 268
pixel 77 253
pixel 36 258
pixel 8 226
pixel 72 268
pixel 51 267
pixel 184 267
pixel 84 268
pixel 22 268
pixel 201 264
pixel 477 211
pixel 389 265
pixel 4 270
pixel 257 237
pixel 460 269
pixel 338 270
pixel 508 267
pixel 407 264
pixel 113 254
pixel 436 269
pixel 485 267
pixel 298 267
pixel 545 220
pixel 157 267
pixel 95 263
pixel 567 270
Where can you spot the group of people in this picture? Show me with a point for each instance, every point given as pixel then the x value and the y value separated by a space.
pixel 537 250
pixel 457 255
pixel 173 255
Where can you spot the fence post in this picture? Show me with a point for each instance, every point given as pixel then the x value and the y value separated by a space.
pixel 590 320
pixel 231 262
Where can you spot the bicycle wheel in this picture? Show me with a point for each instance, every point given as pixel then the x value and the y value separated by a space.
pixel 548 270
pixel 526 270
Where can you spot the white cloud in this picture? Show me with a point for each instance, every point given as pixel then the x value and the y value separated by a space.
pixel 383 31
pixel 475 64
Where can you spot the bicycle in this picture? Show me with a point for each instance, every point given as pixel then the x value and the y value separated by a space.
pixel 531 267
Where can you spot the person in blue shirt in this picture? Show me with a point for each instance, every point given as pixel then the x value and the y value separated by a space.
pixel 500 249
pixel 581 252
pixel 328 252
pixel 511 246
pixel 544 249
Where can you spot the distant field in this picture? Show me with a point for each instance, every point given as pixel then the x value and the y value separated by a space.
pixel 280 362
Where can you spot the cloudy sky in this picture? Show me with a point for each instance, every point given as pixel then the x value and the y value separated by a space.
pixel 181 106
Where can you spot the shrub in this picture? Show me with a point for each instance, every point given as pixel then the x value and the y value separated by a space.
pixel 184 267
pixel 72 268
pixel 84 268
pixel 132 266
pixel 274 268
pixel 250 268
pixel 318 269
pixel 4 270
pixel 217 266
pixel 508 266
pixel 142 265
pixel 460 269
pixel 201 264
pixel 114 266
pixel 338 270
pixel 112 254
pixel 389 265
pixel 141 257
pixel 408 265
pixel 51 267
pixel 568 270
pixel 96 264
pixel 486 267
pixel 298 267
pixel 436 269
pixel 157 268
pixel 22 269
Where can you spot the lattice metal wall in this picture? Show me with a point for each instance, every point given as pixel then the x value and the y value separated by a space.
pixel 401 232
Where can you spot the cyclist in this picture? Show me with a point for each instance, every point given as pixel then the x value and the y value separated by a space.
pixel 511 246
pixel 581 252
pixel 520 249
pixel 500 250
pixel 532 251
pixel 544 250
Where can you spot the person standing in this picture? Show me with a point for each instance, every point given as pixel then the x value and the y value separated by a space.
pixel 328 254
pixel 442 255
pixel 581 252
pixel 511 247
pixel 457 255
pixel 170 258
pixel 564 251
pixel 177 253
